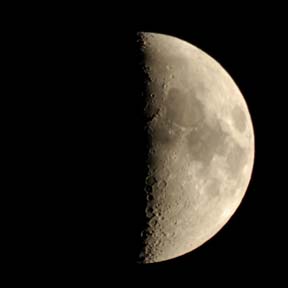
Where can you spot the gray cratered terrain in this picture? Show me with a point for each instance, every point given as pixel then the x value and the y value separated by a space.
pixel 201 147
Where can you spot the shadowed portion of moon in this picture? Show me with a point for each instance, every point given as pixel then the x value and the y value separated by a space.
pixel 198 147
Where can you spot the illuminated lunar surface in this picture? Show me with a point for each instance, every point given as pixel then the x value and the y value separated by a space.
pixel 201 147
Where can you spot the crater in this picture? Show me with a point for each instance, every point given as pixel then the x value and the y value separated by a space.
pixel 150 180
pixel 153 222
pixel 239 118
pixel 149 212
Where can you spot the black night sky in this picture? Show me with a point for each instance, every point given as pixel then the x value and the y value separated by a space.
pixel 86 127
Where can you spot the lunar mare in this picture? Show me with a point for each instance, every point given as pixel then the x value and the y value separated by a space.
pixel 201 147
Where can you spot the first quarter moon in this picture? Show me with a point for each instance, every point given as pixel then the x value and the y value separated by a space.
pixel 199 153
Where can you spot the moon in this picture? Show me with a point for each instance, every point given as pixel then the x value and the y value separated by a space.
pixel 200 152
